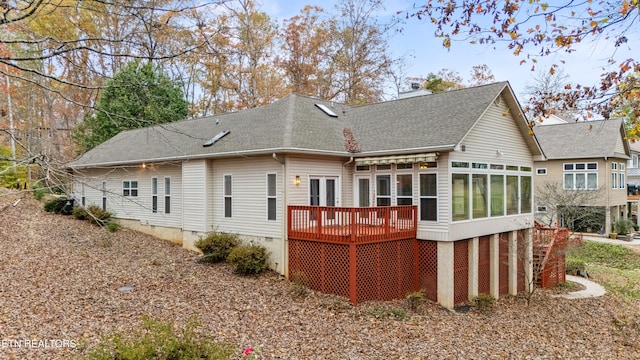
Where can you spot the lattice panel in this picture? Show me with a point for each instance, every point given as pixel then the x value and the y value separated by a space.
pixel 503 267
pixel 428 268
pixel 336 269
pixel 384 270
pixel 305 262
pixel 368 274
pixel 460 271
pixel 484 265
pixel 406 272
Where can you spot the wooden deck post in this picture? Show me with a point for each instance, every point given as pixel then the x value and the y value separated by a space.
pixel 353 274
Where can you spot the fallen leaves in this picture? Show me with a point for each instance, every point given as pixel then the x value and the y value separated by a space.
pixel 59 279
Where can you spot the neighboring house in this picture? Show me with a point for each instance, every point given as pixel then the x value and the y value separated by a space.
pixel 585 156
pixel 463 159
pixel 633 168
pixel 633 182
pixel 551 120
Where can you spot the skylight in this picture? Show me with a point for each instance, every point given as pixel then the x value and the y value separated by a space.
pixel 326 110
pixel 216 138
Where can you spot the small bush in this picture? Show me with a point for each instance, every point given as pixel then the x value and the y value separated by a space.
pixel 484 303
pixel 248 259
pixel 623 226
pixel 97 216
pixel 397 314
pixel 575 267
pixel 80 213
pixel 217 246
pixel 415 299
pixel 159 340
pixel 298 287
pixel 111 225
pixel 40 192
pixel 55 205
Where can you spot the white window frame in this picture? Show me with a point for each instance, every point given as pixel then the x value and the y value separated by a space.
pixel 398 196
pixel 227 195
pixel 541 171
pixel 167 194
pixel 104 195
pixel 541 208
pixel 129 189
pixel 420 196
pixel 154 195
pixel 585 169
pixel 272 198
pixel 83 197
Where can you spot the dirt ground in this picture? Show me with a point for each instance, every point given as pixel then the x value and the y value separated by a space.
pixel 59 293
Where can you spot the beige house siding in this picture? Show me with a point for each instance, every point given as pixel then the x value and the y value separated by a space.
pixel 608 196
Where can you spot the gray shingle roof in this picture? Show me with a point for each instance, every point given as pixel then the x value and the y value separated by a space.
pixel 585 139
pixel 295 124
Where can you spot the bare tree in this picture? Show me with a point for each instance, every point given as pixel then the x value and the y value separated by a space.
pixel 573 209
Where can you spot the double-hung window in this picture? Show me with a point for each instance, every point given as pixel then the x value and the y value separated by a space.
pixel 104 195
pixel 167 195
pixel 271 197
pixel 154 194
pixel 404 189
pixel 428 197
pixel 227 181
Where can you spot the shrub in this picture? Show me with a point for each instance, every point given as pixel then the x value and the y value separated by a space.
pixel 623 226
pixel 96 215
pixel 575 266
pixel 484 303
pixel 396 314
pixel 217 246
pixel 55 205
pixel 80 213
pixel 415 299
pixel 112 226
pixel 298 287
pixel 40 192
pixel 248 259
pixel 159 340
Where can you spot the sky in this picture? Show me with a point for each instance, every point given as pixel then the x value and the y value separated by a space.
pixel 425 53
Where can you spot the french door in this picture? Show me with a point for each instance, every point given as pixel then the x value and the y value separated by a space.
pixel 323 191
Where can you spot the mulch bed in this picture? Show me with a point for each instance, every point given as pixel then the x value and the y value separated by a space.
pixel 60 280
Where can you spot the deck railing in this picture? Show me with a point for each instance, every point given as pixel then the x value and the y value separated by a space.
pixel 352 225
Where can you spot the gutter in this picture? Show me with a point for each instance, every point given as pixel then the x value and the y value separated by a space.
pixel 134 162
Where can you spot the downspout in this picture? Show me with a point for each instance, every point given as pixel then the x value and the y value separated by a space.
pixel 352 185
pixel 285 201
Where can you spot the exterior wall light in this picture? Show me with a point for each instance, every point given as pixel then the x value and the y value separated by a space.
pixel 296 181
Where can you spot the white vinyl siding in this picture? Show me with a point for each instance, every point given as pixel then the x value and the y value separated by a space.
pixel 139 207
pixel 249 191
pixel 495 139
pixel 194 186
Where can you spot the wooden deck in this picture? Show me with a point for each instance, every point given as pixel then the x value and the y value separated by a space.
pixel 352 225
